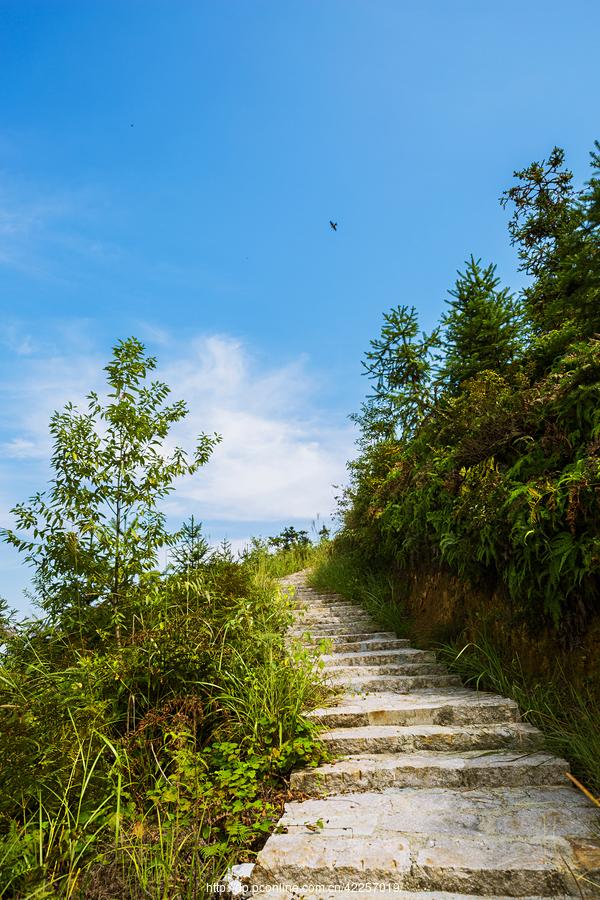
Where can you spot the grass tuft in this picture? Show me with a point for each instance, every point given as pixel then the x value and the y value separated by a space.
pixel 377 592
pixel 569 718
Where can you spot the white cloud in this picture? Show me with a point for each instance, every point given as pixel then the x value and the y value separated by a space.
pixel 35 386
pixel 279 457
pixel 280 453
pixel 17 340
pixel 20 448
pixel 22 220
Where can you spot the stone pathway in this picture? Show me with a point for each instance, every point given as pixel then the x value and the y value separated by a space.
pixel 437 792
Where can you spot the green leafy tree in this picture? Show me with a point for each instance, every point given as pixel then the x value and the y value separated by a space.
pixel 400 364
pixel 95 533
pixel 481 328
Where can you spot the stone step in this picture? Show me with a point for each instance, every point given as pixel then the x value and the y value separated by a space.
pixel 312 636
pixel 312 600
pixel 405 656
pixel 310 596
pixel 452 707
pixel 351 625
pixel 417 738
pixel 440 863
pixel 498 841
pixel 374 657
pixel 337 608
pixel 386 889
pixel 369 644
pixel 304 603
pixel 338 615
pixel 442 792
pixel 408 668
pixel 332 618
pixel 469 769
pixel 318 631
pixel 402 684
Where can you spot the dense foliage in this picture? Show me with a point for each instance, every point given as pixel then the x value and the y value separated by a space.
pixel 148 720
pixel 481 443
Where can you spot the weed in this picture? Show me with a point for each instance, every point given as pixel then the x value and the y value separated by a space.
pixel 568 717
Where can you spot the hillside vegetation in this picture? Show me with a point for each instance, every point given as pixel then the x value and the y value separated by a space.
pixel 148 719
pixel 472 515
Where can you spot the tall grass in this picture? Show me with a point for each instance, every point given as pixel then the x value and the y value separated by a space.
pixel 57 842
pixel 94 848
pixel 287 562
pixel 569 718
pixel 266 703
pixel 376 591
pixel 143 770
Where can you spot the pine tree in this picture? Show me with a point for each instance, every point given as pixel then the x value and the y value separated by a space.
pixel 481 328
pixel 400 364
pixel 557 231
pixel 193 550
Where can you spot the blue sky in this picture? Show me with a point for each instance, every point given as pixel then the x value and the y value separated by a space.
pixel 169 169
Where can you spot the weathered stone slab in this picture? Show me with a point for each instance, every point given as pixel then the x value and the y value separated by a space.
pixel 368 644
pixel 400 657
pixel 374 657
pixel 470 769
pixel 452 707
pixel 414 738
pixel 522 811
pixel 402 684
pixel 378 892
pixel 317 630
pixel 344 638
pixel 465 864
pixel 494 841
pixel 407 668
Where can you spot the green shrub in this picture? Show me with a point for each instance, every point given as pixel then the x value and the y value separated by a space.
pixel 180 736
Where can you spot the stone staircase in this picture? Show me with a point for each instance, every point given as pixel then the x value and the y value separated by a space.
pixel 437 792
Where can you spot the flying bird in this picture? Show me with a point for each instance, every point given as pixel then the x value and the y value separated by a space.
pixel 333 225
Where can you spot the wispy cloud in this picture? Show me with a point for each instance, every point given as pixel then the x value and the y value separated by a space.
pixel 66 237
pixel 56 370
pixel 37 224
pixel 17 340
pixel 20 448
pixel 23 222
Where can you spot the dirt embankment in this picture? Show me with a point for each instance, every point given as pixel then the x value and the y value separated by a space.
pixel 443 608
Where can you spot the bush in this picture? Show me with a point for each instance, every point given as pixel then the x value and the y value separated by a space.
pixel 159 758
